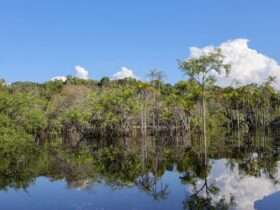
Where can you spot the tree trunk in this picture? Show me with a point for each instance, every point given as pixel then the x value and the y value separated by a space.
pixel 204 125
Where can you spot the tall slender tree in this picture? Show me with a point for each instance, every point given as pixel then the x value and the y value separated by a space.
pixel 156 77
pixel 202 69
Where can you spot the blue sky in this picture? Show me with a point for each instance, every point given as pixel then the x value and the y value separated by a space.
pixel 43 39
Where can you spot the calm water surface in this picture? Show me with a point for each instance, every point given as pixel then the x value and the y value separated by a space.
pixel 241 173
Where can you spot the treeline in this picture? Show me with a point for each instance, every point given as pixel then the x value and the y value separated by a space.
pixel 78 109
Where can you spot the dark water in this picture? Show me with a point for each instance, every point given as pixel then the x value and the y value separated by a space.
pixel 237 173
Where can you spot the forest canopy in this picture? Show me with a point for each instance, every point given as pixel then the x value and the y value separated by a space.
pixel 77 109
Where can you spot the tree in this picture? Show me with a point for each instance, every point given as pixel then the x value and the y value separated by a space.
pixel 156 77
pixel 104 81
pixel 202 70
pixel 143 92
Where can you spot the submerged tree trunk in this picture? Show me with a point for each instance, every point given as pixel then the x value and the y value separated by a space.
pixel 72 134
pixel 144 118
pixel 238 120
pixel 204 125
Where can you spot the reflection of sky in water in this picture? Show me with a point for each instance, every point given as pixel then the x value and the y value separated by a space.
pixel 271 202
pixel 245 189
pixel 46 195
pixel 249 192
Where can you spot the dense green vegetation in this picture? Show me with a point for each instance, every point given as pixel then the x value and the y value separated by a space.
pixel 77 109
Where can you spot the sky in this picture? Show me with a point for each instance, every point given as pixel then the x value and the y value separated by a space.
pixel 40 40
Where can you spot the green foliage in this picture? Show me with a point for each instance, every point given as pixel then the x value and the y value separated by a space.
pixel 22 112
pixel 200 68
pixel 122 107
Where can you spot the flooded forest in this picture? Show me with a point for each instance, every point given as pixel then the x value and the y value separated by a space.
pixel 188 145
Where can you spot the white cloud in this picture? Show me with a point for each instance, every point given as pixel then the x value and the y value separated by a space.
pixel 245 189
pixel 124 73
pixel 81 72
pixel 60 78
pixel 247 64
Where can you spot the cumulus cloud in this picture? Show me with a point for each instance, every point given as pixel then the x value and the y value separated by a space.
pixel 124 73
pixel 59 78
pixel 247 64
pixel 81 72
pixel 245 190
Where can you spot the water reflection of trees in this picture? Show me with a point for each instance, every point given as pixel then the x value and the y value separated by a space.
pixel 151 185
pixel 203 192
pixel 141 163
pixel 253 156
pixel 197 202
